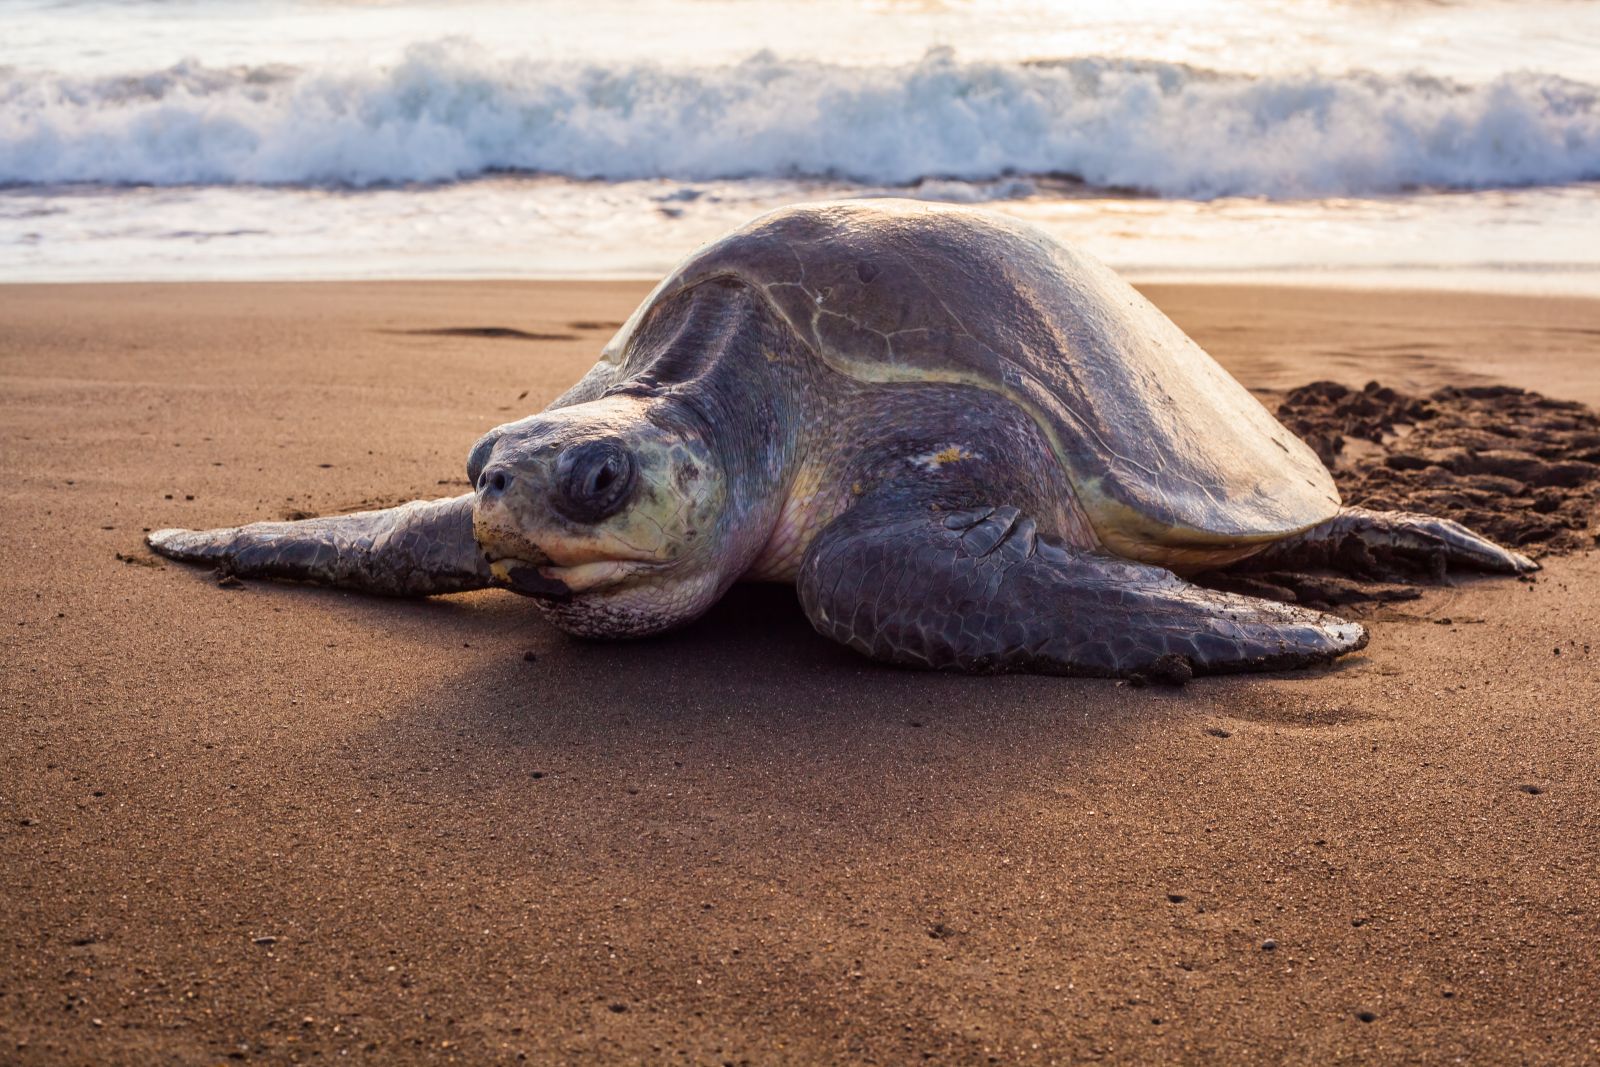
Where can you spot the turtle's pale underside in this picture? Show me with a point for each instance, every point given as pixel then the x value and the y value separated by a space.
pixel 968 446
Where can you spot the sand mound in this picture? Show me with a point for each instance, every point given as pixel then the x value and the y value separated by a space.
pixel 1517 467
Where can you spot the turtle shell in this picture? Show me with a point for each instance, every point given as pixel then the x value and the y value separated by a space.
pixel 1165 450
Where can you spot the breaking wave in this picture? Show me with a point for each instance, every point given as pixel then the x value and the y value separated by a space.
pixel 448 111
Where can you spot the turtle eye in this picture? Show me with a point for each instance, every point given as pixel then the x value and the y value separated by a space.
pixel 479 457
pixel 593 480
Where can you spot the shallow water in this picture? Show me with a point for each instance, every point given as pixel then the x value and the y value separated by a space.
pixel 1432 144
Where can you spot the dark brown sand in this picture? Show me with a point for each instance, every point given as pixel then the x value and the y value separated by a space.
pixel 1518 467
pixel 272 822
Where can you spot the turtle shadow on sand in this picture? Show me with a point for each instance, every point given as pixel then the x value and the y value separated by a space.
pixel 1521 468
pixel 748 692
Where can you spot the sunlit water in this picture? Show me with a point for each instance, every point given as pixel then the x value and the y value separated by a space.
pixel 1453 144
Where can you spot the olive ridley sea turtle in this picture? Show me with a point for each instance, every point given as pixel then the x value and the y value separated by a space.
pixel 969 446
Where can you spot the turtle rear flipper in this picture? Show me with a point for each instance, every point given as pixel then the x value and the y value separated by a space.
pixel 422 548
pixel 979 590
pixel 1390 544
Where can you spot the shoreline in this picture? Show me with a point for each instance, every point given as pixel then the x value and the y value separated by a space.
pixel 1529 239
pixel 1533 284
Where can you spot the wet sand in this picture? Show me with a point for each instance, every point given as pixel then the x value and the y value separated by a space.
pixel 275 822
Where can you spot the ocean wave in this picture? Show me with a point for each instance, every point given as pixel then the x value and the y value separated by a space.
pixel 448 111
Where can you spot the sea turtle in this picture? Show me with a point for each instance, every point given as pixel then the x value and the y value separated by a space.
pixel 969 446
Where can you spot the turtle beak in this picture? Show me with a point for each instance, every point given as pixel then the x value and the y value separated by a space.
pixel 515 562
pixel 527 579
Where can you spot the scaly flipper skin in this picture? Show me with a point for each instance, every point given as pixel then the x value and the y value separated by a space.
pixel 1388 543
pixel 980 591
pixel 418 549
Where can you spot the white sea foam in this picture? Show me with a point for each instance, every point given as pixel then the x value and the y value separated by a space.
pixel 449 111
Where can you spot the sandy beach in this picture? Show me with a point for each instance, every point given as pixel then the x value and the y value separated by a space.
pixel 280 824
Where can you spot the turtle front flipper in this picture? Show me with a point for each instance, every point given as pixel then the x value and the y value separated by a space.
pixel 418 549
pixel 981 591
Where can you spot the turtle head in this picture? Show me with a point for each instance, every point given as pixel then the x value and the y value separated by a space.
pixel 613 514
